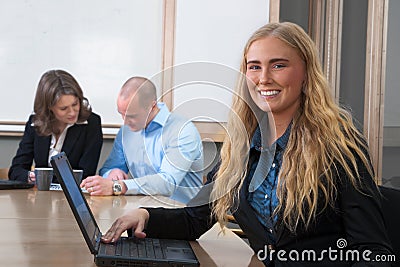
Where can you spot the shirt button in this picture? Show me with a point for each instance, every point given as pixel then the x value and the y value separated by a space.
pixel 273 165
pixel 266 196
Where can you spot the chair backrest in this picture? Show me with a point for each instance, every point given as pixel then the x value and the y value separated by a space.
pixel 4 173
pixel 391 208
pixel 234 227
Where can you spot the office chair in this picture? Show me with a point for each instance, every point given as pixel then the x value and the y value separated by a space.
pixel 234 227
pixel 390 208
pixel 4 173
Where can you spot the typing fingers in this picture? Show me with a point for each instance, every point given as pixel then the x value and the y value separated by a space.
pixel 135 219
pixel 114 232
pixel 139 233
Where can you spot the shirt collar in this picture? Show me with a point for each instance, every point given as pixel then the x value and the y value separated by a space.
pixel 160 119
pixel 281 143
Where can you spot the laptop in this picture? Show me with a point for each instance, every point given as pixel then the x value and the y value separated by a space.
pixel 127 251
pixel 14 184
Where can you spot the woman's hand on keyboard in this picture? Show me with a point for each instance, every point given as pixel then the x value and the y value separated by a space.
pixel 135 219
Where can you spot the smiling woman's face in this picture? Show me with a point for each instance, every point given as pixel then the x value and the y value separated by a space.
pixel 275 75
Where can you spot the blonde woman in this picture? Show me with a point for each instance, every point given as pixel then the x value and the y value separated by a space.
pixel 304 185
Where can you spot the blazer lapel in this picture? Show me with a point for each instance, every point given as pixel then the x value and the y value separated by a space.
pixel 246 216
pixel 71 137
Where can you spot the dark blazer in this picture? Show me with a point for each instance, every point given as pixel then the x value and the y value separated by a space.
pixel 355 219
pixel 82 146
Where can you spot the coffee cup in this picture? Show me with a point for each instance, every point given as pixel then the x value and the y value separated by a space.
pixel 78 176
pixel 44 177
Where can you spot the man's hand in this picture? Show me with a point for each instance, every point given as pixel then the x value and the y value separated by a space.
pixel 136 219
pixel 98 186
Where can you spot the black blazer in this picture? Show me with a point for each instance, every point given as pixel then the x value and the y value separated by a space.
pixel 82 146
pixel 355 219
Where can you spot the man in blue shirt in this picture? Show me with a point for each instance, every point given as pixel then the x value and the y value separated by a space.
pixel 160 150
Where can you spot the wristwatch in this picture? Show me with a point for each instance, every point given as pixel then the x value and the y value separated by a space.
pixel 117 188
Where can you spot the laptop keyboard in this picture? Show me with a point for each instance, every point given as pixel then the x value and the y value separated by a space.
pixel 134 247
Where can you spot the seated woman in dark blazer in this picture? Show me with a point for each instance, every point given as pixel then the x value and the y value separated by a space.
pixel 62 121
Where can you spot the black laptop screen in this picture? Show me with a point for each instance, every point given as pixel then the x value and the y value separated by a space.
pixel 77 201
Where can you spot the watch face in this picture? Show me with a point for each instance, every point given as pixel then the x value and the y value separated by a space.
pixel 117 188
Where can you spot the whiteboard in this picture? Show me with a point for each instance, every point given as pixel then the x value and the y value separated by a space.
pixel 210 37
pixel 100 42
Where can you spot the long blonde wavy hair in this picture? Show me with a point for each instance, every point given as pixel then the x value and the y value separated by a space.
pixel 323 137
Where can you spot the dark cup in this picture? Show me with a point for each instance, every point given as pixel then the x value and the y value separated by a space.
pixel 43 177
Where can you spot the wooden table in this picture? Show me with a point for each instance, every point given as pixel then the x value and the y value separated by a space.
pixel 38 229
